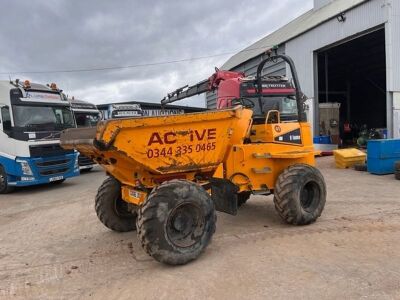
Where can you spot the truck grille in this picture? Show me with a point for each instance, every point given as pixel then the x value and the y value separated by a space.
pixel 53 163
pixel 84 160
pixel 54 166
pixel 53 171
pixel 48 150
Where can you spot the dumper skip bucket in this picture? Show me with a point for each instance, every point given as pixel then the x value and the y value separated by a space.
pixel 163 144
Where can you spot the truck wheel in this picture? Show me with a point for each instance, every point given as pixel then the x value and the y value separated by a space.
pixel 176 222
pixel 243 197
pixel 4 187
pixel 300 194
pixel 111 210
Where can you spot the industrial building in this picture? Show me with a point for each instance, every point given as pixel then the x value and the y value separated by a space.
pixel 346 52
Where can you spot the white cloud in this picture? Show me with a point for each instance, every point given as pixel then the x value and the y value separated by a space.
pixel 54 35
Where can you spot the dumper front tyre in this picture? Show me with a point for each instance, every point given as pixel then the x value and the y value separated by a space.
pixel 111 210
pixel 300 194
pixel 176 222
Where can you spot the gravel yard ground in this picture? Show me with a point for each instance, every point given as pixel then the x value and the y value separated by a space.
pixel 52 246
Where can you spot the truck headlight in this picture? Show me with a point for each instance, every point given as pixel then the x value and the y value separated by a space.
pixel 76 165
pixel 26 169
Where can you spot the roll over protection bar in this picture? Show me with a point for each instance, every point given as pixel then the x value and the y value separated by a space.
pixel 299 93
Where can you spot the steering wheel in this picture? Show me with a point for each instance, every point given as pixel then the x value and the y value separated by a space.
pixel 245 102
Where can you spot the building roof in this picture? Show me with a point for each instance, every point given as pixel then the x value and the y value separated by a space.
pixel 304 23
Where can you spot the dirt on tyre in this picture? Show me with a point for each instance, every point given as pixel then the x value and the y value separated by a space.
pixel 5 188
pixel 176 222
pixel 300 194
pixel 111 210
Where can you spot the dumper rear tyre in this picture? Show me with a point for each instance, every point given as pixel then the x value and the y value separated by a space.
pixel 111 210
pixel 300 194
pixel 176 222
pixel 5 188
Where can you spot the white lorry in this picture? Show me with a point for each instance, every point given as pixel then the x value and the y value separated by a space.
pixel 86 115
pixel 31 119
pixel 125 111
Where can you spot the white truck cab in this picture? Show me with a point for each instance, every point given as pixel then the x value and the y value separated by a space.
pixel 31 119
pixel 86 115
pixel 125 111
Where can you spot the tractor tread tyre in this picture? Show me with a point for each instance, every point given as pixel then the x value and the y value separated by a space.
pixel 295 183
pixel 360 167
pixel 243 197
pixel 4 187
pixel 397 175
pixel 397 166
pixel 157 217
pixel 108 196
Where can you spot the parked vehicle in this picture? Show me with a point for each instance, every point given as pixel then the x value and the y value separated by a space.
pixel 169 174
pixel 31 119
pixel 125 111
pixel 86 115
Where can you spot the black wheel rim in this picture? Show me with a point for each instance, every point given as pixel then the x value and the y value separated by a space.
pixel 309 196
pixel 185 225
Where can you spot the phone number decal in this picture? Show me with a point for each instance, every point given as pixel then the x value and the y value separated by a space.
pixel 180 150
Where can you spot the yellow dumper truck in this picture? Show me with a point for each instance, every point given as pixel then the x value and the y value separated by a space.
pixel 169 174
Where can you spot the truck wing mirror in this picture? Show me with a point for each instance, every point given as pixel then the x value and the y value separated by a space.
pixel 5 117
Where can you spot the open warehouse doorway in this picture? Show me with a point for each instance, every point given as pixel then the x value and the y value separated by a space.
pixel 353 74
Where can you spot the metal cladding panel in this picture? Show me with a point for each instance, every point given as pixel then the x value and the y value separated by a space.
pixel 211 99
pixel 358 20
pixel 392 45
pixel 250 69
pixel 298 26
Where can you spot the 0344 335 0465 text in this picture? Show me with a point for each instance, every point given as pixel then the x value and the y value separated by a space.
pixel 197 141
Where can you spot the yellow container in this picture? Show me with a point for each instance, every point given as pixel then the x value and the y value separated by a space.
pixel 346 158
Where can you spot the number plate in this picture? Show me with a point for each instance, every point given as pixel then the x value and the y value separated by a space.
pixel 56 178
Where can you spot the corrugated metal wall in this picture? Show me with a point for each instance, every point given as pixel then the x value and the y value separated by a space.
pixel 367 16
pixel 392 37
pixel 250 69
pixel 301 49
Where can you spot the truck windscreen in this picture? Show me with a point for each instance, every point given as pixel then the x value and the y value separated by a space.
pixel 86 119
pixel 43 117
pixel 286 105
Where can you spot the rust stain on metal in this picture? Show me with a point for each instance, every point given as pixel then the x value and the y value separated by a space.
pixel 186 167
pixel 182 132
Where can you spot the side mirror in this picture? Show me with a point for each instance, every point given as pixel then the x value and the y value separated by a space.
pixel 5 117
